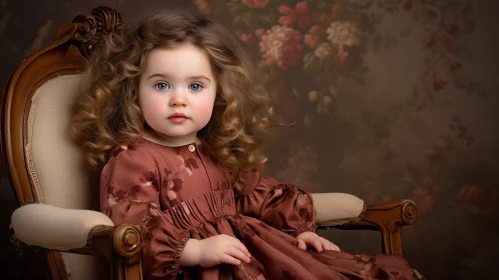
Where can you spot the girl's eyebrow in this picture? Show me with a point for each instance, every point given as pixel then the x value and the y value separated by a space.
pixel 190 78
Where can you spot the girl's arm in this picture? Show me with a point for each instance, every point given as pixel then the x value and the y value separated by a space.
pixel 281 206
pixel 129 191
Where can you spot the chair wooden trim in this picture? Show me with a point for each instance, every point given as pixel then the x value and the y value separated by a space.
pixel 120 245
pixel 387 218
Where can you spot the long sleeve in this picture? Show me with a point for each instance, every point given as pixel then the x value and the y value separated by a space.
pixel 129 193
pixel 281 206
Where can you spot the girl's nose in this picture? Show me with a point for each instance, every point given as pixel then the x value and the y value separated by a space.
pixel 178 99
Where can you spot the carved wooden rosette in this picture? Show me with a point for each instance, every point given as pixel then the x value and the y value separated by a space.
pixel 92 27
pixel 126 241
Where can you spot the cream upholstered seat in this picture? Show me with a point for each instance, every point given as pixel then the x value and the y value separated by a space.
pixel 59 197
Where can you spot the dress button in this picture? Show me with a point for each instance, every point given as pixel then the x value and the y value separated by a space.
pixel 191 148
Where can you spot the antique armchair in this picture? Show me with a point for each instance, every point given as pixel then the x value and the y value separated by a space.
pixel 59 198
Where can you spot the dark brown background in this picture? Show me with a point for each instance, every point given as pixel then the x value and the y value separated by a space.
pixel 398 99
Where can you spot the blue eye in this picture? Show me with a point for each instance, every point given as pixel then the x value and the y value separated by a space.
pixel 162 86
pixel 196 87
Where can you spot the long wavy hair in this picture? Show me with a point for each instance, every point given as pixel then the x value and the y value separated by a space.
pixel 107 112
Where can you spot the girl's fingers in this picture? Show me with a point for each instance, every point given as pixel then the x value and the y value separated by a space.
pixel 302 245
pixel 229 260
pixel 239 245
pixel 317 245
pixel 328 245
pixel 238 254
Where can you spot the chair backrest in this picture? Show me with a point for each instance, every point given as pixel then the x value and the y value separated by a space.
pixel 44 165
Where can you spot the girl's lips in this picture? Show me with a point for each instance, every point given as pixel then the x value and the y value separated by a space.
pixel 178 118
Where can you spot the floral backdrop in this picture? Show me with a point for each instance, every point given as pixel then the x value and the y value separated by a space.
pixel 384 99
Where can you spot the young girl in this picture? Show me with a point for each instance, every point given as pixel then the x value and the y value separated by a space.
pixel 170 116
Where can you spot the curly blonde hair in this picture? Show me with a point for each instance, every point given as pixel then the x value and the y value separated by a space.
pixel 107 112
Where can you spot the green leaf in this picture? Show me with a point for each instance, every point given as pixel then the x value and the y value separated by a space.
pixel 247 19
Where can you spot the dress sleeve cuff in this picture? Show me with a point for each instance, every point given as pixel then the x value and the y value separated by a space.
pixel 178 249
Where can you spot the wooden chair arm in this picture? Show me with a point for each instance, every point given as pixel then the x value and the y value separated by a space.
pixel 388 218
pixel 120 245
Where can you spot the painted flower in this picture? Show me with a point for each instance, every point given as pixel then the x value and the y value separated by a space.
pixel 433 155
pixel 343 33
pixel 437 83
pixel 407 4
pixel 424 201
pixel 322 18
pixel 260 32
pixel 312 37
pixel 204 6
pixel 324 51
pixel 281 45
pixel 245 37
pixel 300 14
pixel 469 193
pixel 444 145
pixel 256 4
pixel 327 100
pixel 313 95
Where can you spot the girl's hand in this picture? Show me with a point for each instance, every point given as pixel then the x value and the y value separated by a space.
pixel 309 238
pixel 222 249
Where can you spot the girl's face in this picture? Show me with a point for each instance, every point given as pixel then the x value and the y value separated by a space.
pixel 176 93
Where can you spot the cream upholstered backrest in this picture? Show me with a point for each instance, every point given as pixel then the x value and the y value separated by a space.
pixel 56 164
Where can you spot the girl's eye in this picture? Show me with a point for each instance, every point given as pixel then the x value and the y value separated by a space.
pixel 162 86
pixel 195 87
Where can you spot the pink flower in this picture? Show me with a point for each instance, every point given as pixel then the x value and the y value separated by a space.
pixel 256 4
pixel 313 35
pixel 424 201
pixel 245 37
pixel 281 45
pixel 260 32
pixel 291 16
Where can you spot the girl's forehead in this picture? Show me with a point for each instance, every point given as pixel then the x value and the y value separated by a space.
pixel 185 59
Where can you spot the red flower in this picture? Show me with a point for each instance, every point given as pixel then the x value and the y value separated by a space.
pixel 453 65
pixel 322 18
pixel 451 28
pixel 338 8
pixel 469 194
pixel 291 16
pixel 256 4
pixel 407 4
pixel 437 83
pixel 312 37
pixel 429 41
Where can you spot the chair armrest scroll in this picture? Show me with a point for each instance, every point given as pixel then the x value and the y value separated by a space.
pixel 388 218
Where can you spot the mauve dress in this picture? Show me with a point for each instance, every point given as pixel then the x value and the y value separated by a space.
pixel 177 193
